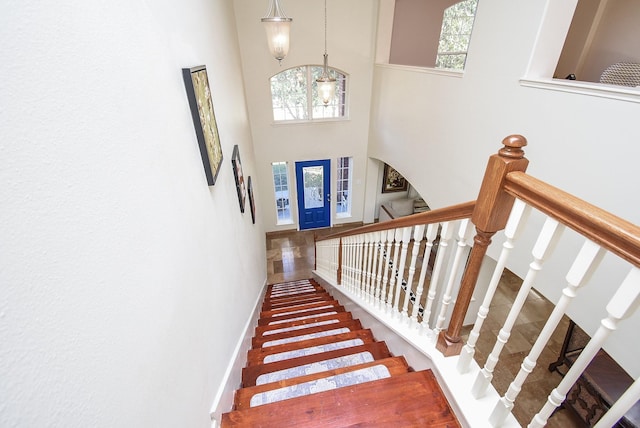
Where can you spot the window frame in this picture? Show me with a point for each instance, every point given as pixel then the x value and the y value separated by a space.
pixel 349 180
pixel 342 94
pixel 464 52
pixel 277 197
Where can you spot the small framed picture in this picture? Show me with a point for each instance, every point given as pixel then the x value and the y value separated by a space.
pixel 237 173
pixel 252 204
pixel 393 181
pixel 199 95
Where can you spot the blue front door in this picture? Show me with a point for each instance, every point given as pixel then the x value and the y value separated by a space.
pixel 314 194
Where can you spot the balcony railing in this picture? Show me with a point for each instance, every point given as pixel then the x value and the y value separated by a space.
pixel 420 272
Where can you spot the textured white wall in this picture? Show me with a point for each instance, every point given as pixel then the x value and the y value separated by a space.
pixel 450 126
pixel 125 281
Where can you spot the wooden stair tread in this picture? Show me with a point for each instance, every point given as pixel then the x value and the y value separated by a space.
pixel 340 316
pixel 291 283
pixel 256 356
pixel 286 287
pixel 410 400
pixel 283 303
pixel 312 311
pixel 378 350
pixel 395 365
pixel 275 312
pixel 351 324
pixel 288 295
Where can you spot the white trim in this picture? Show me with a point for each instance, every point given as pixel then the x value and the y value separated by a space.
pixel 309 121
pixel 223 399
pixel 425 70
pixel 621 93
pixel 552 33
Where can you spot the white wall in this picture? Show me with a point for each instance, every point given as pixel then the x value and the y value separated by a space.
pixel 583 144
pixel 125 280
pixel 350 45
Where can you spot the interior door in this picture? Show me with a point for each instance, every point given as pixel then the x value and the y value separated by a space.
pixel 314 193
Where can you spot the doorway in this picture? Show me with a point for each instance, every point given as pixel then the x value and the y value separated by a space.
pixel 314 193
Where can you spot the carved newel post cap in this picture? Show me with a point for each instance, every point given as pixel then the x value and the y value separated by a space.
pixel 513 147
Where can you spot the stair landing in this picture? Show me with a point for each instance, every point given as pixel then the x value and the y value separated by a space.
pixel 312 365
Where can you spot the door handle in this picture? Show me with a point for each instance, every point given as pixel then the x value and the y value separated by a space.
pixel 328 197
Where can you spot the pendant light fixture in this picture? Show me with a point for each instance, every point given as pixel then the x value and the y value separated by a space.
pixel 326 84
pixel 277 26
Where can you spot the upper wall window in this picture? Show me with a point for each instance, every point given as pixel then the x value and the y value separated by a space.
pixel 431 33
pixel 457 23
pixel 294 95
pixel 602 43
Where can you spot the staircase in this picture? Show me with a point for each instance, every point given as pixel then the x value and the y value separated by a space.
pixel 313 365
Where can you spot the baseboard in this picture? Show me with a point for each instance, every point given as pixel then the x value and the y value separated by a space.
pixel 223 401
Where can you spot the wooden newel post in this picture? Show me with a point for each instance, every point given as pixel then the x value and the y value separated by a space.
pixel 339 271
pixel 490 215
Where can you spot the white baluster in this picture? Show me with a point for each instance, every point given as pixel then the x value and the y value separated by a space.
pixel 393 262
pixel 406 237
pixel 623 303
pixel 373 250
pixel 365 265
pixel 446 234
pixel 432 231
pixel 348 265
pixel 585 263
pixel 338 262
pixel 370 268
pixel 465 234
pixel 548 238
pixel 418 232
pixel 375 270
pixel 385 279
pixel 380 242
pixel 518 217
pixel 358 266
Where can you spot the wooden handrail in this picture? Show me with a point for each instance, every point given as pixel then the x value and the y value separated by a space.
pixel 605 229
pixel 451 213
pixel 505 179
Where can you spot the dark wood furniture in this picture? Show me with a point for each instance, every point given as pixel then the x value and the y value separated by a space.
pixel 601 384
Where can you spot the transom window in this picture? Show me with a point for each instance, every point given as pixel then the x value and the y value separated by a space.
pixel 455 35
pixel 294 95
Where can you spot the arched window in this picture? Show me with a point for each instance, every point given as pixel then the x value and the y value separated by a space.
pixel 457 23
pixel 294 95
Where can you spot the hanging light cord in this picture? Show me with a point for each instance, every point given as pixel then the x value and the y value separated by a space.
pixel 325 27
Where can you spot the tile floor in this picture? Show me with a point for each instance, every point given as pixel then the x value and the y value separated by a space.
pixel 290 256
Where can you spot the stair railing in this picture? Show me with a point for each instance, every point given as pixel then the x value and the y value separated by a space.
pixel 379 264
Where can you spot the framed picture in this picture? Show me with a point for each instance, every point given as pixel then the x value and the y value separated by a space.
pixel 252 203
pixel 392 181
pixel 196 83
pixel 237 173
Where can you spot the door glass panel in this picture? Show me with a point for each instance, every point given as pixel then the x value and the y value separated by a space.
pixel 313 179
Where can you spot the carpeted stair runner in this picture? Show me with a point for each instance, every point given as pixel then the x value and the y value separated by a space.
pixel 313 365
